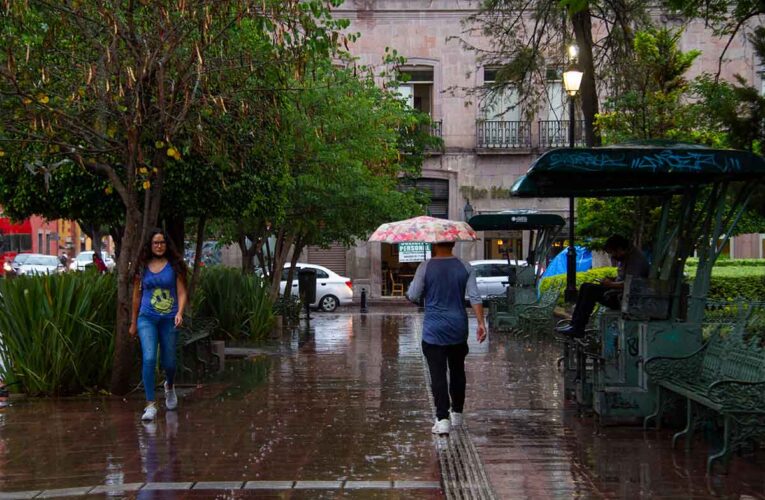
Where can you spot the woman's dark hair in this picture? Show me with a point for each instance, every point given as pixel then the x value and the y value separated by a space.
pixel 171 254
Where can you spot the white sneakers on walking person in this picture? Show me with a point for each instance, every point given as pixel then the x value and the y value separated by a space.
pixel 442 426
pixel 150 412
pixel 456 418
pixel 171 400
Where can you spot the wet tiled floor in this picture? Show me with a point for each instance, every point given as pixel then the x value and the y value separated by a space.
pixel 347 405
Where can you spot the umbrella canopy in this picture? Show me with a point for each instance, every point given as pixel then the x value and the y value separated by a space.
pixel 424 229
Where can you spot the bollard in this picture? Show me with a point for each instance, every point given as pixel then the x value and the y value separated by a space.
pixel 363 300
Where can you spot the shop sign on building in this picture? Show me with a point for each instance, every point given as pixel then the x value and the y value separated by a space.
pixel 413 252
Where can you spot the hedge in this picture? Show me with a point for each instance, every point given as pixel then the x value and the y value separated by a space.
pixel 727 282
pixel 694 262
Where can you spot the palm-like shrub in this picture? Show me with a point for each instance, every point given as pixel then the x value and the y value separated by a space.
pixel 239 302
pixel 57 332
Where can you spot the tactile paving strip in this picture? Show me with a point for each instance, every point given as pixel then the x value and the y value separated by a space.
pixel 462 471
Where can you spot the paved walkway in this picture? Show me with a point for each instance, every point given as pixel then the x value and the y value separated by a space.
pixel 345 412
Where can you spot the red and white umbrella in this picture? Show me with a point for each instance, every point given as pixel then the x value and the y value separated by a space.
pixel 424 229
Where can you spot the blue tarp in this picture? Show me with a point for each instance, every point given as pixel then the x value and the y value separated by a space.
pixel 558 264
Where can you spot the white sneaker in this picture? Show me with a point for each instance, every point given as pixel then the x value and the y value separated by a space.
pixel 442 426
pixel 456 419
pixel 171 400
pixel 150 412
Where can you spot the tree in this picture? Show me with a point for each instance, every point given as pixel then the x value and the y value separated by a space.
pixel 654 106
pixel 123 89
pixel 345 145
pixel 528 38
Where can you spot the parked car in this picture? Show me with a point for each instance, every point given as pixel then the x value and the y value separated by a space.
pixel 492 275
pixel 13 262
pixel 36 263
pixel 85 259
pixel 332 290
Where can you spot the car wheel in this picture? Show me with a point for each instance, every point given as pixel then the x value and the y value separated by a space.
pixel 328 303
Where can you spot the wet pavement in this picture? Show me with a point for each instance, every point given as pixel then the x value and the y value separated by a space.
pixel 344 411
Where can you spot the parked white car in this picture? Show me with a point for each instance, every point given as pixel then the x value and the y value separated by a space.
pixel 492 275
pixel 36 263
pixel 85 259
pixel 332 290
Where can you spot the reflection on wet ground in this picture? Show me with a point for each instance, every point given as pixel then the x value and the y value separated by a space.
pixel 347 403
pixel 535 446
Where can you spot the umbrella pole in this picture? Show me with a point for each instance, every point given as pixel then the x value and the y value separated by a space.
pixel 570 294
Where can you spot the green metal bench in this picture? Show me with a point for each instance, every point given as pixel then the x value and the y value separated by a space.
pixel 539 317
pixel 726 377
pixel 529 317
pixel 194 346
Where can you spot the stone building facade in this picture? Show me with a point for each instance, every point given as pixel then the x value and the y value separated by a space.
pixel 485 149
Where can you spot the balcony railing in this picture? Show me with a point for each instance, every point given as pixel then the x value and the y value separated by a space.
pixel 554 134
pixel 503 134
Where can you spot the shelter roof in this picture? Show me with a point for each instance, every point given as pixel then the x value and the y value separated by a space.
pixel 515 220
pixel 634 169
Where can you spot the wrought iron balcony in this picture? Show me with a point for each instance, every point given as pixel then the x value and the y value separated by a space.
pixel 554 134
pixel 503 134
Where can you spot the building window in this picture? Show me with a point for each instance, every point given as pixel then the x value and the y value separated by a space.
pixel 499 104
pixel 418 89
pixel 438 189
pixel 39 242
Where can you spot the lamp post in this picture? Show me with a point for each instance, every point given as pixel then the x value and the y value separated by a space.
pixel 572 79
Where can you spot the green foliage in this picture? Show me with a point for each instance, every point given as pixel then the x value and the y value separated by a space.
pixel 729 283
pixel 239 302
pixel 57 332
pixel 590 276
pixel 288 308
pixel 652 107
pixel 692 262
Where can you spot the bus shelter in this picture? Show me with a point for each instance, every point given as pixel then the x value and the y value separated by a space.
pixel 703 193
pixel 524 275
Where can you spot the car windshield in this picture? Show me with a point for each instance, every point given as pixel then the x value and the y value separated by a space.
pixel 42 260
pixel 20 258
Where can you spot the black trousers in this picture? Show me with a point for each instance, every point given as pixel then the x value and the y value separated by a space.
pixel 440 357
pixel 589 295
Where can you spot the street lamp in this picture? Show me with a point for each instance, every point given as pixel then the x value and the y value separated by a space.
pixel 468 211
pixel 572 80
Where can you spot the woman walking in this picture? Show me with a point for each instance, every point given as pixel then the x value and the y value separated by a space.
pixel 159 299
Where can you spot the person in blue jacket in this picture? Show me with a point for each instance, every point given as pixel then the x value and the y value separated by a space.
pixel 159 299
pixel 440 285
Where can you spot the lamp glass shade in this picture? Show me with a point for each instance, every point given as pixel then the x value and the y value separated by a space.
pixel 572 80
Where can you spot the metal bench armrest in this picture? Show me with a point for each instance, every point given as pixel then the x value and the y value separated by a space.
pixel 737 395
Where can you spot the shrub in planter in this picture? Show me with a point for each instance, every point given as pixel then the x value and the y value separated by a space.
pixel 57 332
pixel 239 302
pixel 590 276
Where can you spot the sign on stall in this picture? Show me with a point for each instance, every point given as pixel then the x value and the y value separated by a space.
pixel 413 252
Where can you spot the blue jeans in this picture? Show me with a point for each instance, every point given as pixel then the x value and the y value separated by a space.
pixel 153 331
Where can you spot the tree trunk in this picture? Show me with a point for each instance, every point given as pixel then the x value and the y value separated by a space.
pixel 583 32
pixel 282 250
pixel 197 254
pixel 175 227
pixel 122 364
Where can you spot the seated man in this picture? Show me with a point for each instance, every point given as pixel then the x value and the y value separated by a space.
pixel 609 291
